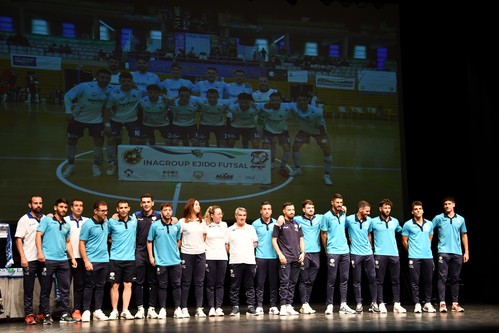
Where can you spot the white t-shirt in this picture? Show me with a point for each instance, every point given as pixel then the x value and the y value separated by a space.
pixel 215 241
pixel 192 236
pixel 241 241
pixel 74 237
pixel 26 230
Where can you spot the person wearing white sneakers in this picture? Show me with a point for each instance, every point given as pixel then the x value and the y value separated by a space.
pixel 240 243
pixel 416 239
pixel 452 238
pixel 216 259
pixel 267 265
pixel 163 242
pixel 386 254
pixel 193 255
pixel 83 104
pixel 123 234
pixel 361 254
pixel 334 241
pixel 95 255
pixel 287 240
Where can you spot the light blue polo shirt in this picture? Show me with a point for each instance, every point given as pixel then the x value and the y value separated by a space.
pixel 264 249
pixel 165 239
pixel 358 232
pixel 311 232
pixel 419 239
pixel 449 233
pixel 123 238
pixel 385 242
pixel 95 235
pixel 336 235
pixel 54 238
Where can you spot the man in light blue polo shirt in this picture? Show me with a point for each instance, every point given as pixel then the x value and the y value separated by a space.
pixel 416 239
pixel 54 246
pixel 95 255
pixel 123 235
pixel 163 247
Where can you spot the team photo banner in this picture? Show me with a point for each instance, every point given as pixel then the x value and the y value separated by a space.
pixel 194 164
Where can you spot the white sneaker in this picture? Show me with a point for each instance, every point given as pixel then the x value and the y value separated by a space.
pixel 345 309
pixel 178 313
pixel 428 307
pixel 114 315
pixel 291 310
pixel 96 170
pixel 329 309
pixel 417 308
pixel 185 313
pixel 274 310
pixel 259 311
pixel 111 169
pixel 398 308
pixel 200 313
pixel 125 314
pixel 70 169
pixel 151 313
pixel 140 313
pixel 99 315
pixel 162 313
pixel 219 312
pixel 359 308
pixel 212 313
pixel 283 311
pixel 382 308
pixel 295 172
pixel 306 309
pixel 85 315
pixel 327 180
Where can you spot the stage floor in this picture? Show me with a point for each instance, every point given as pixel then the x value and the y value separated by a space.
pixel 477 317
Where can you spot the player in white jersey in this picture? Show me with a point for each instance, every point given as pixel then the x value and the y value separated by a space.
pixel 184 123
pixel 113 64
pixel 262 95
pixel 275 116
pixel 173 84
pixel 213 112
pixel 211 82
pixel 311 123
pixel 153 109
pixel 121 110
pixel 142 77
pixel 239 86
pixel 84 105
pixel 243 123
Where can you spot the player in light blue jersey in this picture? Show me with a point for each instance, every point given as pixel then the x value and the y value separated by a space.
pixel 275 116
pixel 121 110
pixel 123 235
pixel 334 241
pixel 267 265
pixel 153 110
pixel 95 255
pixel 212 119
pixel 242 123
pixel 361 254
pixel 163 243
pixel 239 86
pixel 311 124
pixel 416 239
pixel 54 248
pixel 211 82
pixel 173 84
pixel 452 238
pixel 383 229
pixel 84 104
pixel 184 123
pixel 310 225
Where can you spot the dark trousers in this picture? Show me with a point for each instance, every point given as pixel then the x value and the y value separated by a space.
pixel 78 277
pixel 159 281
pixel 418 267
pixel 288 277
pixel 214 284
pixel 239 274
pixel 308 273
pixel 392 263
pixel 449 266
pixel 338 267
pixel 31 274
pixel 365 263
pixel 193 270
pixel 267 268
pixel 144 271
pixel 95 280
pixel 63 275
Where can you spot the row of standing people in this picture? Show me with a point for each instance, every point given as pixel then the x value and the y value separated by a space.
pixel 229 111
pixel 195 251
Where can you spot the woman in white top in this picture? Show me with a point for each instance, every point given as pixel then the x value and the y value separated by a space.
pixel 193 256
pixel 216 259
